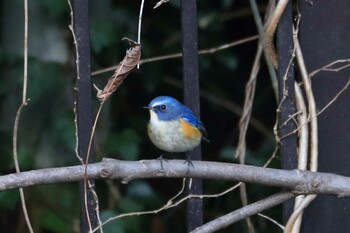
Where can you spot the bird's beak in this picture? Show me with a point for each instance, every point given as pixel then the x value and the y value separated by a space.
pixel 148 107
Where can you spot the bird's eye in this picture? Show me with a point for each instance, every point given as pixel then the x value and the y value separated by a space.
pixel 163 107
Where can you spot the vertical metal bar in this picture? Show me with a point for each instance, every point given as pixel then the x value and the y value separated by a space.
pixel 287 96
pixel 83 104
pixel 191 96
pixel 325 38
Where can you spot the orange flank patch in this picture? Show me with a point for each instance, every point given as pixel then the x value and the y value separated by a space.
pixel 189 130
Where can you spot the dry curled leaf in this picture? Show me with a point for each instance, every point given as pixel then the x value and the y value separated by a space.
pixel 124 68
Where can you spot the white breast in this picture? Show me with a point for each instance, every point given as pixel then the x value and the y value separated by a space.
pixel 167 135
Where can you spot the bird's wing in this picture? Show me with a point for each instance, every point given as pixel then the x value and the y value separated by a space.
pixel 201 127
pixel 194 121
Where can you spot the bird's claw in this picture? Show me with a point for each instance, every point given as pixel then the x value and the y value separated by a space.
pixel 190 164
pixel 161 158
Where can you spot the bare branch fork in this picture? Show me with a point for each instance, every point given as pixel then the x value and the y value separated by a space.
pixel 301 182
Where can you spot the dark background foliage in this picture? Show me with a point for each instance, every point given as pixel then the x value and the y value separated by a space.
pixel 46 132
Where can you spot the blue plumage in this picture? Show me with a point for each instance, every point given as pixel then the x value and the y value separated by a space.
pixel 167 131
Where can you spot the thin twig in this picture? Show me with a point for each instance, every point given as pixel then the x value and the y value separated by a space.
pixel 311 107
pixel 270 31
pixel 298 212
pixel 291 117
pixel 272 156
pixel 271 220
pixel 260 27
pixel 170 203
pixel 15 158
pixel 77 62
pixel 228 45
pixel 302 150
pixel 344 88
pixel 25 71
pixel 97 208
pixel 303 129
pixel 335 97
pixel 243 125
pixel 92 136
pixel 85 181
pixel 177 55
pixel 249 210
pixel 78 77
pixel 313 133
pixel 160 3
pixel 328 67
pixel 18 115
pixel 139 27
pixel 247 109
pixel 284 93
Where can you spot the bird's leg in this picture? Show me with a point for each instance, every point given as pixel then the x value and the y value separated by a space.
pixel 161 158
pixel 189 162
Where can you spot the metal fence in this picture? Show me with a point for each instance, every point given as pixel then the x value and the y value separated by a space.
pixel 318 17
pixel 84 107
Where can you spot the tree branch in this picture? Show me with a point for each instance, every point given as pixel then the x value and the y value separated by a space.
pixel 244 212
pixel 301 182
pixel 177 55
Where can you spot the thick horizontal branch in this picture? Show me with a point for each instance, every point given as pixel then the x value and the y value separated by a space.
pixel 303 182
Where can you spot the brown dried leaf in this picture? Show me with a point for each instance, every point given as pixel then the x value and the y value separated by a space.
pixel 124 68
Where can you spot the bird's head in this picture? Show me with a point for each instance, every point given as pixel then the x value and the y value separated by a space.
pixel 165 108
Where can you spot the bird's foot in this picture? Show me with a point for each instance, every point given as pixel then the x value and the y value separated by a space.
pixel 161 158
pixel 190 164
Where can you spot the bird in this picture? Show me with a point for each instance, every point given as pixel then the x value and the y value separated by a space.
pixel 173 127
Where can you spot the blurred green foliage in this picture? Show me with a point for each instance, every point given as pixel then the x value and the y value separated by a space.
pixel 46 135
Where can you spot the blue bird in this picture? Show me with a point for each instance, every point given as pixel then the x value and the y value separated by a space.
pixel 172 126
